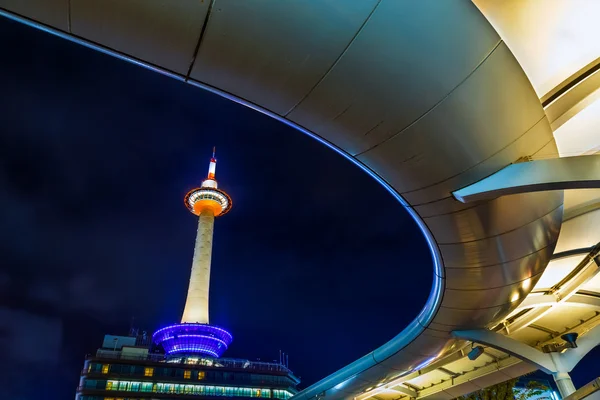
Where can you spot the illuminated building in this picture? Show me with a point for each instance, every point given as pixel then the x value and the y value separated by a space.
pixel 182 360
pixel 194 335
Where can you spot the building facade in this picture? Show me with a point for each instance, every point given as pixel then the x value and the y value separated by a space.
pixel 129 371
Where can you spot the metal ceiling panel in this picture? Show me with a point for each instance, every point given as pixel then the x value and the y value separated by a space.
pixel 406 59
pixel 415 158
pixel 454 319
pixel 507 247
pixel 49 12
pixel 577 201
pixel 440 396
pixel 530 336
pixel 405 361
pixel 426 345
pixel 579 232
pixel 564 317
pixel 497 296
pixel 459 390
pixel 464 365
pixel 511 272
pixel 274 53
pixel 518 370
pixel 379 374
pixel 442 328
pixel 528 144
pixel 491 379
pixel 160 32
pixel 389 395
pixel 430 378
pixel 557 270
pixel 593 285
pixel 492 218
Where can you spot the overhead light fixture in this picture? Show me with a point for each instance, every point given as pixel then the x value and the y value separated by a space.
pixel 475 353
pixel 570 343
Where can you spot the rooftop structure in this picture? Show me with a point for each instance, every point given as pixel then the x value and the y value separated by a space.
pixel 126 367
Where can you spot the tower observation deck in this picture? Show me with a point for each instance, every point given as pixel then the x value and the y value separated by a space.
pixel 195 335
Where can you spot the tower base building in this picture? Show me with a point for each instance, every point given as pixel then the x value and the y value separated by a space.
pixel 125 369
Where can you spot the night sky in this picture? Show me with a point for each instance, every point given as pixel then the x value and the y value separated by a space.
pixel 95 158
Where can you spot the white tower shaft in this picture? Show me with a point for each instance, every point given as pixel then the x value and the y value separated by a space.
pixel 196 305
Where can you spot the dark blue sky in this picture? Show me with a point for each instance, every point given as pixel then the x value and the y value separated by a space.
pixel 315 258
pixel 96 155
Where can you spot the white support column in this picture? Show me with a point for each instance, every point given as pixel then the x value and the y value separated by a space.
pixel 555 363
pixel 196 305
pixel 564 383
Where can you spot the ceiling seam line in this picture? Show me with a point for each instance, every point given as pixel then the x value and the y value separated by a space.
pixel 491 156
pixel 360 29
pixel 504 233
pixel 69 29
pixel 200 38
pixel 495 287
pixel 90 44
pixel 509 261
pixel 436 104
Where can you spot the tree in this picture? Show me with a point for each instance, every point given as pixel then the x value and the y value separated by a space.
pixel 508 391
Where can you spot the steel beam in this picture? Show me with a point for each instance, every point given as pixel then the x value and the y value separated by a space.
pixel 510 346
pixel 582 172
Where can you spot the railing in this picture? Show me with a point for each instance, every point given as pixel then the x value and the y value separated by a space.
pixel 179 391
pixel 205 361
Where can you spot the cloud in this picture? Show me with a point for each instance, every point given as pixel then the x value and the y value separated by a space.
pixel 28 338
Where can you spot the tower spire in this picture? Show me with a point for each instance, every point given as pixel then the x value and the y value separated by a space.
pixel 212 167
pixel 194 335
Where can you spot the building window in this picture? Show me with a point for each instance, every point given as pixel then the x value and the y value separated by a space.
pixel 105 368
pixel 187 374
pixel 201 375
pixel 109 385
pixel 148 371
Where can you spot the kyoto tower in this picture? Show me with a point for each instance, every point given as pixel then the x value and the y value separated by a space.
pixel 194 335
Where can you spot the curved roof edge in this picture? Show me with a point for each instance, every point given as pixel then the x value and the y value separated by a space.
pixel 407 335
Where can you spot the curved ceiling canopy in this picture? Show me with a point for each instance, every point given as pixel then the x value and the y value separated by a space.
pixel 423 95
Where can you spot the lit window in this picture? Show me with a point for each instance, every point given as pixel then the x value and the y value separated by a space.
pixel 149 371
pixel 109 385
pixel 187 374
pixel 258 393
pixel 200 375
pixel 105 368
